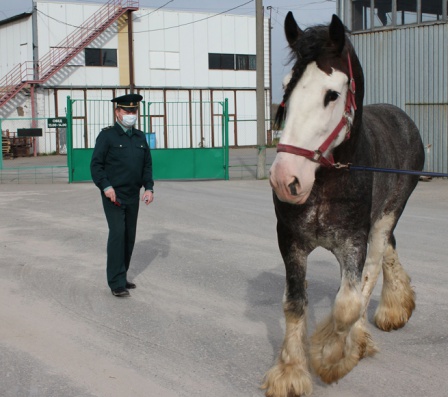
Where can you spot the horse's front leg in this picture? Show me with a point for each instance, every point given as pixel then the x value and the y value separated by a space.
pixel 341 340
pixel 290 377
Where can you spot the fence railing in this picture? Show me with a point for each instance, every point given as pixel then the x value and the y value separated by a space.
pixel 42 174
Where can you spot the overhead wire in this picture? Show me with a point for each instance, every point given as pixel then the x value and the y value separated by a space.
pixel 193 22
pixel 153 11
pixel 153 30
pixel 283 9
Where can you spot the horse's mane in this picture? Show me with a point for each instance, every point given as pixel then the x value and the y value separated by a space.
pixel 313 45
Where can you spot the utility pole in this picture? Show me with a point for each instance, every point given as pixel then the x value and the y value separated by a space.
pixel 261 124
pixel 270 70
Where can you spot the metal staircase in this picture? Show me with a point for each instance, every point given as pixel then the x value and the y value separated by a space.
pixel 39 72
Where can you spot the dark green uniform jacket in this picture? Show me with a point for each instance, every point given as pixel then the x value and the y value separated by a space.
pixel 123 162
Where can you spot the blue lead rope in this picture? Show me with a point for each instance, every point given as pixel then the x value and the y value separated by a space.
pixel 351 167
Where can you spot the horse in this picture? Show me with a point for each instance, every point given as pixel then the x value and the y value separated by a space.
pixel 351 214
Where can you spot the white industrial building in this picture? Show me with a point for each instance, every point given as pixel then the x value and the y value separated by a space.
pixel 94 52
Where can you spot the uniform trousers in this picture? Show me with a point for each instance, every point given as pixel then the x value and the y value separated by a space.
pixel 122 222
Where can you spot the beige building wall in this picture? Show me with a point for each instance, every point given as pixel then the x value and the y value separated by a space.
pixel 123 51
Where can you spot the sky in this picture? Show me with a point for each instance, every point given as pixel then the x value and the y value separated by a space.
pixel 306 13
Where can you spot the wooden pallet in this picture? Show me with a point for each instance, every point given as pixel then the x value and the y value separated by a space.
pixel 6 148
pixel 21 147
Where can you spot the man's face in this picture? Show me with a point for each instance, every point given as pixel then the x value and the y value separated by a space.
pixel 120 112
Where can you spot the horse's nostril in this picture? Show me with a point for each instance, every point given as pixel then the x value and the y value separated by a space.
pixel 293 186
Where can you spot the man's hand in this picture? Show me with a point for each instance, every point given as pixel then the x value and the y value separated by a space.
pixel 147 197
pixel 110 194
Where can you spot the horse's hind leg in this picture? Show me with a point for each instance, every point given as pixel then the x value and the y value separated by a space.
pixel 341 340
pixel 397 297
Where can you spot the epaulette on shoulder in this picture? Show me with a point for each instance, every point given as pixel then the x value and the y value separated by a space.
pixel 107 128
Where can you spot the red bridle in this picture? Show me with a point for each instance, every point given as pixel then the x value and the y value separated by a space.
pixel 347 119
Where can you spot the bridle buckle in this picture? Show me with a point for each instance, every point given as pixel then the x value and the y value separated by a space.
pixel 352 86
pixel 317 156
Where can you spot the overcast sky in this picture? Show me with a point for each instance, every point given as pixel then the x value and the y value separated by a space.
pixel 306 13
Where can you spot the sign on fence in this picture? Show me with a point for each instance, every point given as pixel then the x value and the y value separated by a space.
pixel 59 122
pixel 23 132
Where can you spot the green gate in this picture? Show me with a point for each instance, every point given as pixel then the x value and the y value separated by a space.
pixel 188 140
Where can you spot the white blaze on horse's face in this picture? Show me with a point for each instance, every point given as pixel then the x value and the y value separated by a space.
pixel 311 118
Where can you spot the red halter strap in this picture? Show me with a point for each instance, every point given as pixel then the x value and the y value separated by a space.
pixel 317 155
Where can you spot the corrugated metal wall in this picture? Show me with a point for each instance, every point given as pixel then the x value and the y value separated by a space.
pixel 408 67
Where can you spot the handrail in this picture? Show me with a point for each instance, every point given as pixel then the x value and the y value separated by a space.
pixel 58 56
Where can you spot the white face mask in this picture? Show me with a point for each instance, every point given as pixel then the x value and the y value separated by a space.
pixel 129 120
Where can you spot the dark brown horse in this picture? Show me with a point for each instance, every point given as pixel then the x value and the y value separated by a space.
pixel 351 214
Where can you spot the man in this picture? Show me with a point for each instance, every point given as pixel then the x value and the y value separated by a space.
pixel 121 164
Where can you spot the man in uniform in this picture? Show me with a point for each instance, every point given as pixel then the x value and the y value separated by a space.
pixel 121 164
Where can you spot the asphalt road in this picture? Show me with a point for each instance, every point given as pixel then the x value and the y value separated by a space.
pixel 206 318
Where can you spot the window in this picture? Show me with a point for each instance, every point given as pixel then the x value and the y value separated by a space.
pixel 432 10
pixel 368 14
pixel 100 57
pixel 361 18
pixel 232 62
pixel 246 62
pixel 383 13
pixel 221 61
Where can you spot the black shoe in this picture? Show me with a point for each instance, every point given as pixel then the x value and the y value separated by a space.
pixel 130 285
pixel 121 292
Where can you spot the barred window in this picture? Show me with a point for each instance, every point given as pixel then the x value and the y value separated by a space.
pixel 369 14
pixel 232 61
pixel 246 62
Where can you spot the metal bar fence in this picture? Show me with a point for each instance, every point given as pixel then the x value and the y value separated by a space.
pixel 32 152
pixel 42 174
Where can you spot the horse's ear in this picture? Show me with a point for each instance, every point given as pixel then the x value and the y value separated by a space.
pixel 292 30
pixel 337 33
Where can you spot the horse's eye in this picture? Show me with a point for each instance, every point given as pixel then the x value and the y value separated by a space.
pixel 330 96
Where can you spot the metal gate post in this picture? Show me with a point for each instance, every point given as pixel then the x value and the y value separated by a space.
pixel 144 117
pixel 69 139
pixel 1 143
pixel 226 139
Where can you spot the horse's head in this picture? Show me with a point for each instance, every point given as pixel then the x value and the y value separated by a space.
pixel 321 106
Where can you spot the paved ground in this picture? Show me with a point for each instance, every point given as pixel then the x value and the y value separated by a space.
pixel 52 169
pixel 206 318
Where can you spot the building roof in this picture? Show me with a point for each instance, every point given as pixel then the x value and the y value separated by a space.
pixel 16 18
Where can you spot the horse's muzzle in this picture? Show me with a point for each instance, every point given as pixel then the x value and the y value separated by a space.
pixel 292 178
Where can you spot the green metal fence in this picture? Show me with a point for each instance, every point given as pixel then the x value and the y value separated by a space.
pixel 33 151
pixel 35 174
pixel 188 140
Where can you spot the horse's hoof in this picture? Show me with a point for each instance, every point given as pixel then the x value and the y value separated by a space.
pixel 397 303
pixel 389 319
pixel 334 355
pixel 286 380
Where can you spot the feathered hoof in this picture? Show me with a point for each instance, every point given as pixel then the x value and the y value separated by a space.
pixel 393 315
pixel 287 380
pixel 334 355
pixel 397 296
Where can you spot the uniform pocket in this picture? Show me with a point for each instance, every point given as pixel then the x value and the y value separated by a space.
pixel 118 151
pixel 140 150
